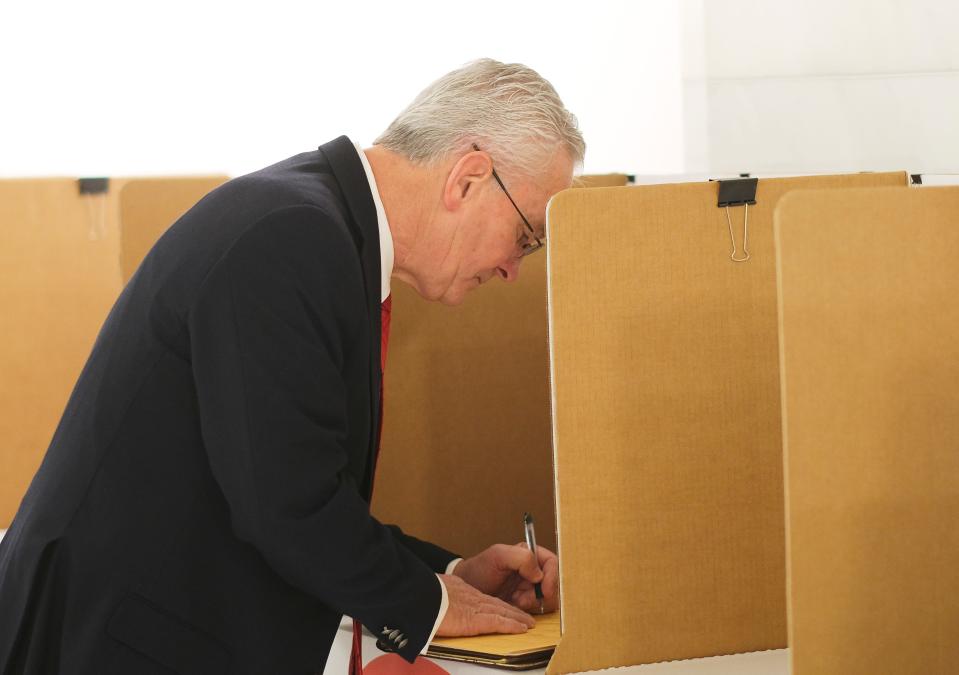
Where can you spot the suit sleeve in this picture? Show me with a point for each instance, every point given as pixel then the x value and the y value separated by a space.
pixel 270 330
pixel 435 557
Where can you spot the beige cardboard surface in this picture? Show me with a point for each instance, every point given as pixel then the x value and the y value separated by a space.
pixel 666 413
pixel 148 206
pixel 58 280
pixel 466 433
pixel 870 316
pixel 60 272
pixel 601 180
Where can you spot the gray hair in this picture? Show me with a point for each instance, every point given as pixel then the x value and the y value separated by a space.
pixel 506 109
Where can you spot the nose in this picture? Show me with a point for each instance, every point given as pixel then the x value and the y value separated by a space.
pixel 510 270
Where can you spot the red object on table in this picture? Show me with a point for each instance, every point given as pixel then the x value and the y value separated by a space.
pixel 393 664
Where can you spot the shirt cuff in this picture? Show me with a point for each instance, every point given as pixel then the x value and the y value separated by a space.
pixel 452 566
pixel 444 605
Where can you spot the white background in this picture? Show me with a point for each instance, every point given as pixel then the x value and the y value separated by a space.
pixel 661 87
pixel 118 88
pixel 821 85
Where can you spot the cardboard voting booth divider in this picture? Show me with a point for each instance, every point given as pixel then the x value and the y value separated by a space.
pixel 869 296
pixel 601 180
pixel 466 432
pixel 148 206
pixel 64 257
pixel 666 420
pixel 466 439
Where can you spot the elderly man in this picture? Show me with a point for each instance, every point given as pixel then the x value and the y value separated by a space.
pixel 204 504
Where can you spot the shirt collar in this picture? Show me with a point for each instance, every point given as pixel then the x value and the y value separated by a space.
pixel 386 238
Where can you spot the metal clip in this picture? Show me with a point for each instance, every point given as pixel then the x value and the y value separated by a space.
pixel 95 190
pixel 732 239
pixel 738 192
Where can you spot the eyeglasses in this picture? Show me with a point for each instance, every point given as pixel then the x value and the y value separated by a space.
pixel 526 245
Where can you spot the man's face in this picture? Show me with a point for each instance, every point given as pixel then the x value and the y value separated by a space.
pixel 489 233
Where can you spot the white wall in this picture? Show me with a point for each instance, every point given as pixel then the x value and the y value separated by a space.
pixel 821 85
pixel 684 86
pixel 110 87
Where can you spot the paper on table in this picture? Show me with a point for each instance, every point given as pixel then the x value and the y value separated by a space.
pixel 543 637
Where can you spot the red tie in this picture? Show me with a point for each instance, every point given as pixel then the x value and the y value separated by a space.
pixel 385 310
pixel 356 656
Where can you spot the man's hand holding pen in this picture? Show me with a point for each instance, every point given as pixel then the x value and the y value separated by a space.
pixel 508 574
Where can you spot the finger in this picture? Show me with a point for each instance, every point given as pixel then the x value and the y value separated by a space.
pixel 496 623
pixel 510 612
pixel 541 551
pixel 505 609
pixel 551 577
pixel 536 606
pixel 523 585
pixel 521 560
pixel 508 587
pixel 527 601
pixel 545 554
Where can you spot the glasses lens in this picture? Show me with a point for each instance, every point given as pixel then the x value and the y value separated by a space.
pixel 532 248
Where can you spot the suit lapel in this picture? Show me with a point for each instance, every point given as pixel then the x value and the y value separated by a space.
pixel 349 173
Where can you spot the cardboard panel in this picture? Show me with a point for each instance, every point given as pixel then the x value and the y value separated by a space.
pixel 63 260
pixel 466 434
pixel 601 180
pixel 666 416
pixel 148 206
pixel 58 280
pixel 870 314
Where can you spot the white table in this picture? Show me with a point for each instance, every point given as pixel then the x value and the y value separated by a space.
pixel 774 662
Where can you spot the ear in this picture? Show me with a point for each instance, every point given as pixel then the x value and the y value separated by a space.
pixel 464 179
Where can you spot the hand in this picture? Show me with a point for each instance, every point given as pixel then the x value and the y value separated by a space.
pixel 471 612
pixel 509 572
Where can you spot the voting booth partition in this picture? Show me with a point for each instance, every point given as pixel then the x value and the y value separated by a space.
pixel 666 419
pixel 667 400
pixel 602 180
pixel 869 288
pixel 466 438
pixel 67 247
pixel 466 447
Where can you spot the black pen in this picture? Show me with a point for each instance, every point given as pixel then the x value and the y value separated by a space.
pixel 531 542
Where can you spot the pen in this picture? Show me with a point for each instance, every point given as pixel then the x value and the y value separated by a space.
pixel 531 542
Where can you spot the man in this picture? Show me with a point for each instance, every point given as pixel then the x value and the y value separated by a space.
pixel 203 506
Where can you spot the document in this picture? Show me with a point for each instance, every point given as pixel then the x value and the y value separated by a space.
pixel 520 651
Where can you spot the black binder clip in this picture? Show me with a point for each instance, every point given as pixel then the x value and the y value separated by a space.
pixel 738 192
pixel 90 188
pixel 93 186
pixel 916 178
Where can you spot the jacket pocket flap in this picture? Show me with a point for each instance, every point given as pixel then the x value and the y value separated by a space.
pixel 166 639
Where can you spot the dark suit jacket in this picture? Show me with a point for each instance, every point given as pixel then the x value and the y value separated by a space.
pixel 203 506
